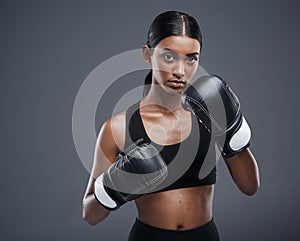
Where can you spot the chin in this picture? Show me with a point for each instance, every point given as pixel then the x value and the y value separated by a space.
pixel 174 91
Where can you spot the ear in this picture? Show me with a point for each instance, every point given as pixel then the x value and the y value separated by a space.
pixel 147 53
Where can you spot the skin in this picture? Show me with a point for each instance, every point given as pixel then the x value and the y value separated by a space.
pixel 166 123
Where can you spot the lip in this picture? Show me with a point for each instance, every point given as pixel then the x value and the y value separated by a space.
pixel 177 83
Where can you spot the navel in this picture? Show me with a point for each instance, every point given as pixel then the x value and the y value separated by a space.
pixel 179 227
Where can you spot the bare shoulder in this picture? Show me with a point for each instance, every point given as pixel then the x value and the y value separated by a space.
pixel 118 123
pixel 113 130
pixel 110 139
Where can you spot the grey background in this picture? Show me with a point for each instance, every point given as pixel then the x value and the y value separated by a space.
pixel 47 49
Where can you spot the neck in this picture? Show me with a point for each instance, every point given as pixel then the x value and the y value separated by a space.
pixel 161 98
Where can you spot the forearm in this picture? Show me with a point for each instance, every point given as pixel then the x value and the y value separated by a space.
pixel 244 171
pixel 92 211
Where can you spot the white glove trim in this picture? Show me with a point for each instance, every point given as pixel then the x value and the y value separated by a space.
pixel 102 195
pixel 242 137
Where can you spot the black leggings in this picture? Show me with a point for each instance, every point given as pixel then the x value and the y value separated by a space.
pixel 144 232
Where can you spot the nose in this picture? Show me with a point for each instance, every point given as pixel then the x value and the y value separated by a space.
pixel 179 70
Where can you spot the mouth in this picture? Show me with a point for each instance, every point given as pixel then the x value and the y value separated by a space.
pixel 177 83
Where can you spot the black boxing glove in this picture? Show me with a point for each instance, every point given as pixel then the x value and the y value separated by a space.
pixel 218 109
pixel 138 171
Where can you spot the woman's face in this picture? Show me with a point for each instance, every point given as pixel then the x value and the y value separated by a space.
pixel 174 62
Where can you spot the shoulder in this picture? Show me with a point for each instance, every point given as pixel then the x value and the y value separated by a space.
pixel 113 131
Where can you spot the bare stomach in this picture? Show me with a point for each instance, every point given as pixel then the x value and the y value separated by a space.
pixel 177 209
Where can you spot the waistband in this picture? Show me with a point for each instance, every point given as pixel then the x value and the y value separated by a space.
pixel 146 232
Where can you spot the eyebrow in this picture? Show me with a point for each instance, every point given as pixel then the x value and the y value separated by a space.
pixel 191 54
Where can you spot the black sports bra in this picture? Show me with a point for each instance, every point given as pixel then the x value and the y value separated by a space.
pixel 184 159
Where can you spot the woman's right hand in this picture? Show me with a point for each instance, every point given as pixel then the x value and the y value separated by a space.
pixel 137 171
pixel 110 142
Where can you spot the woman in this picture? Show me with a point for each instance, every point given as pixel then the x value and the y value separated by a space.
pixel 181 210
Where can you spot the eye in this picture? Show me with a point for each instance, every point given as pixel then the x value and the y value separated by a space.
pixel 191 59
pixel 168 57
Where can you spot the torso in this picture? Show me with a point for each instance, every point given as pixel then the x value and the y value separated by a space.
pixel 177 209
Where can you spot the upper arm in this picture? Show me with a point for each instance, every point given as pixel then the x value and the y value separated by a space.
pixel 110 142
pixel 244 171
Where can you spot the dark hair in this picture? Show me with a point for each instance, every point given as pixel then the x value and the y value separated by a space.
pixel 167 24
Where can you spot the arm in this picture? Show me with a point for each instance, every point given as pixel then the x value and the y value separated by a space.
pixel 244 171
pixel 118 183
pixel 231 130
pixel 110 137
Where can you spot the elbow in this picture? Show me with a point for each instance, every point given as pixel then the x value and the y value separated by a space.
pixel 251 190
pixel 89 218
pixel 93 217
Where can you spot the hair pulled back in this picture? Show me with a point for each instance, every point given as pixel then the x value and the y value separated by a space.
pixel 167 24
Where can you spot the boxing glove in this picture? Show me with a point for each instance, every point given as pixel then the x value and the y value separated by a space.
pixel 217 107
pixel 136 171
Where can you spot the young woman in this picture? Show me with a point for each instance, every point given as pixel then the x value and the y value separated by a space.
pixel 181 209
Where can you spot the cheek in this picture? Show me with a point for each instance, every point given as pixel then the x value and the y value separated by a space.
pixel 160 75
pixel 160 66
pixel 191 70
pixel 161 70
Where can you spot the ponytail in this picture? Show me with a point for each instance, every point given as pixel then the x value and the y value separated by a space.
pixel 147 83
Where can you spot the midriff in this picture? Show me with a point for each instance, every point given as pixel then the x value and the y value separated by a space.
pixel 177 209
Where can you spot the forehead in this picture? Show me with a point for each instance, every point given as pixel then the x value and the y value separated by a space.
pixel 181 44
